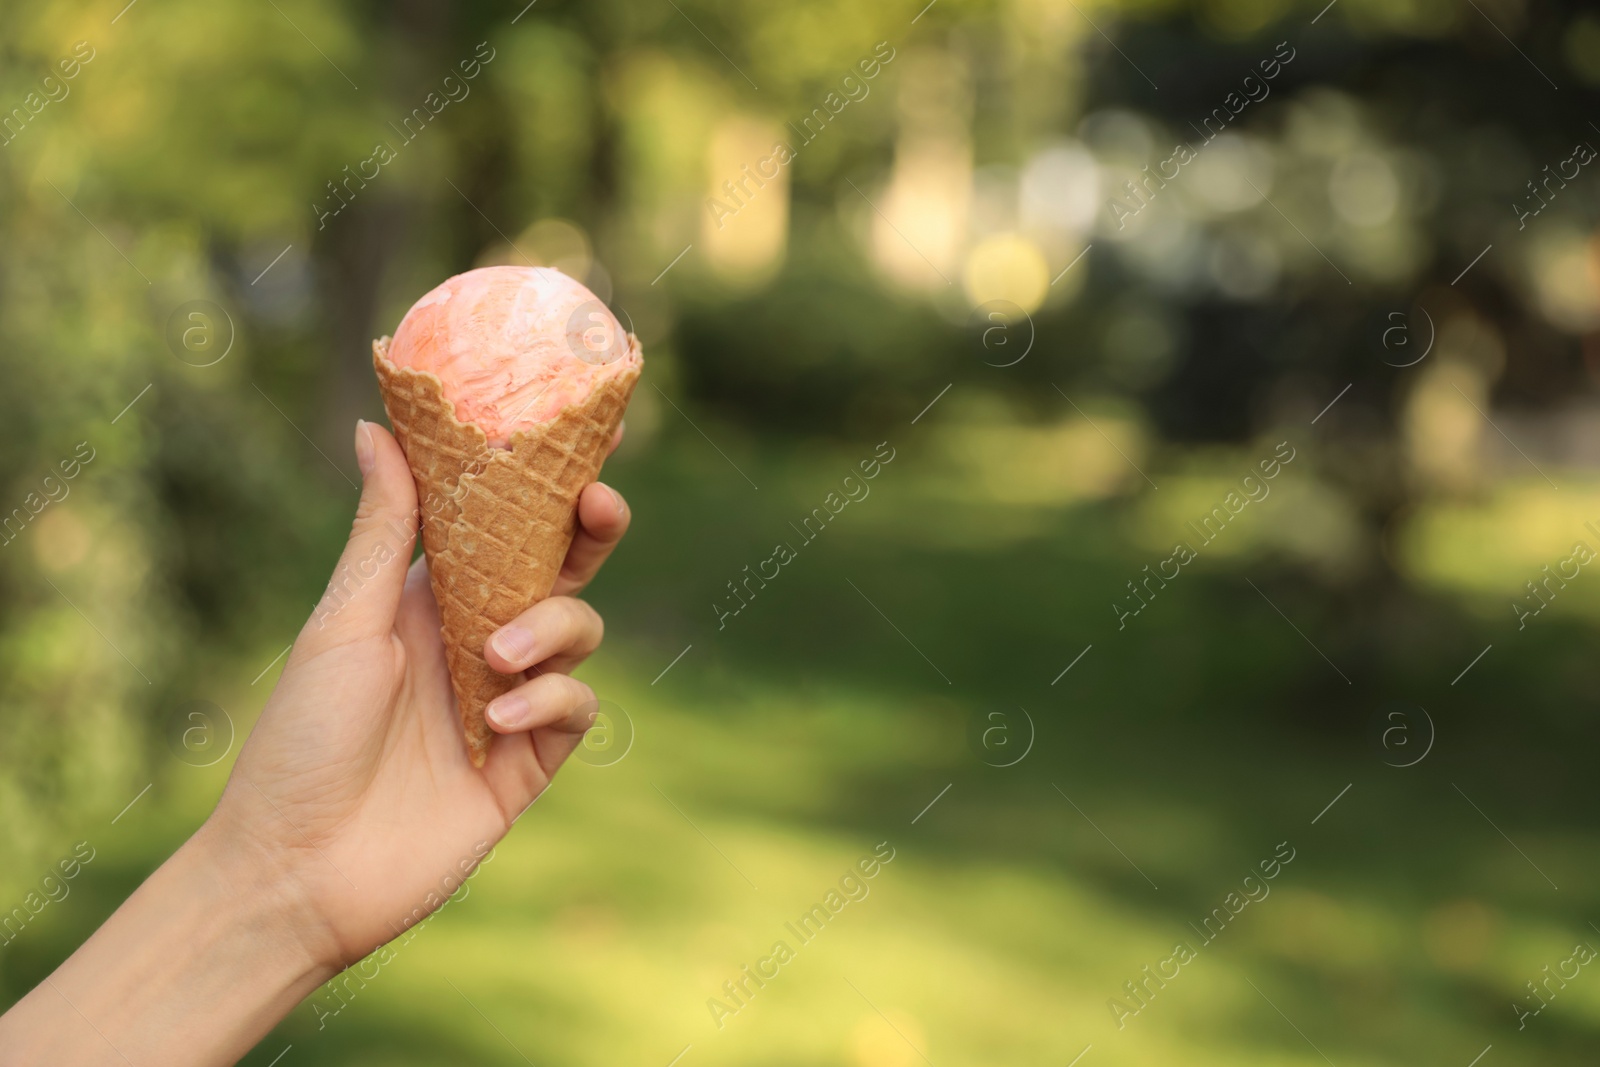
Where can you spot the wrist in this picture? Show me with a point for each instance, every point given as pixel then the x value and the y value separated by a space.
pixel 260 889
pixel 195 967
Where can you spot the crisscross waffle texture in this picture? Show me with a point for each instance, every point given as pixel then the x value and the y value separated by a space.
pixel 496 523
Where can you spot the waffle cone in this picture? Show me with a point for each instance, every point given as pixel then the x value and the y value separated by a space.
pixel 496 523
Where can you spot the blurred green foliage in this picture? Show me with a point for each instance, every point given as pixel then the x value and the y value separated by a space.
pixel 197 156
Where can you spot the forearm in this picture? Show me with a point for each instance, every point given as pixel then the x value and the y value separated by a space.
pixel 193 969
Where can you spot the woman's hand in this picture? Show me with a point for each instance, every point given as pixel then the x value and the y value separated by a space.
pixel 352 812
pixel 354 787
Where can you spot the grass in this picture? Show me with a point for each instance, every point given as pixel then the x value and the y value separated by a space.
pixel 780 750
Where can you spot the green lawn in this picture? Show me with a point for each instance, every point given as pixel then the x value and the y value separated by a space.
pixel 1177 753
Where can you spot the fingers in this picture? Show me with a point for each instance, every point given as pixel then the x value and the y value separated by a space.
pixel 616 438
pixel 603 518
pixel 364 592
pixel 550 701
pixel 551 747
pixel 553 710
pixel 557 634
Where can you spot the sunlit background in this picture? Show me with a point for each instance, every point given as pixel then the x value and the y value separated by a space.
pixel 1080 269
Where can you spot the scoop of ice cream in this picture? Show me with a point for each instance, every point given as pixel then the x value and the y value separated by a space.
pixel 512 345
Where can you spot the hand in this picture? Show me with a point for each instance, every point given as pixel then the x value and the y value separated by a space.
pixel 354 789
pixel 351 814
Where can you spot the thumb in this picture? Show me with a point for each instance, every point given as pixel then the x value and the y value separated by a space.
pixel 364 592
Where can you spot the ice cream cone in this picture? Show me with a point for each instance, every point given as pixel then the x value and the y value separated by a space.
pixel 496 522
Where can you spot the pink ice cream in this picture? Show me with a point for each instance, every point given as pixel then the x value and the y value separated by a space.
pixel 512 346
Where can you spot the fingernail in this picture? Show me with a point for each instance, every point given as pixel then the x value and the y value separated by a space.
pixel 514 644
pixel 622 505
pixel 366 453
pixel 509 712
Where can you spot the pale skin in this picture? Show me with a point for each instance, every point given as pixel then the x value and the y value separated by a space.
pixel 350 804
